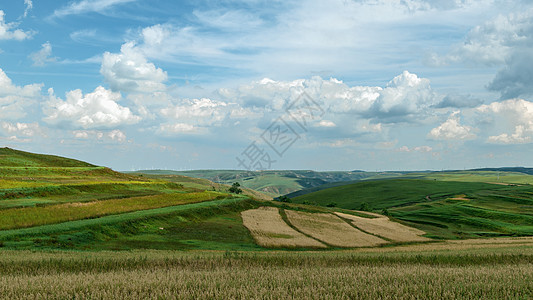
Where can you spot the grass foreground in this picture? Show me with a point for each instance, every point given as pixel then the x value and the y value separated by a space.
pixel 444 271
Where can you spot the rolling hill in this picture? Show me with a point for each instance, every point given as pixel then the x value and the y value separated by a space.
pixel 443 208
pixel 50 202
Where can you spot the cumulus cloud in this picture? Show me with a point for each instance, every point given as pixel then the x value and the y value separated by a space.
pixel 452 129
pixel 43 56
pixel 23 129
pixel 503 41
pixel 129 71
pixel 85 6
pixel 92 110
pixel 516 77
pixel 405 95
pixel 103 136
pixel 9 31
pixel 517 113
pixel 198 115
pixel 15 100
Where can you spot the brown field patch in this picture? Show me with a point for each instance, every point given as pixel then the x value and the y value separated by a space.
pixel 269 229
pixel 386 228
pixel 331 230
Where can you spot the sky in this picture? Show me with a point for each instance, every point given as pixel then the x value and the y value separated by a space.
pixel 323 85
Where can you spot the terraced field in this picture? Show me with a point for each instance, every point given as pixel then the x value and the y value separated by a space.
pixel 287 228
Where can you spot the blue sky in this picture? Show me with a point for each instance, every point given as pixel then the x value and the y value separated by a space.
pixel 324 85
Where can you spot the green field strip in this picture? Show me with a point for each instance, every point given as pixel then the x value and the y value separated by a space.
pixel 36 216
pixel 111 219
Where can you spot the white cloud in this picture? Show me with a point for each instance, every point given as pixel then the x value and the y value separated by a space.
pixel 85 6
pixel 415 149
pixel 8 31
pixel 520 136
pixel 326 123
pixel 503 41
pixel 179 128
pixel 517 113
pixel 23 129
pixel 105 136
pixel 93 110
pixel 129 71
pixel 452 129
pixel 41 57
pixel 29 7
pixel 15 101
pixel 405 95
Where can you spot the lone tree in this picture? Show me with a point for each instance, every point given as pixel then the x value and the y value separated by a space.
pixel 284 199
pixel 235 188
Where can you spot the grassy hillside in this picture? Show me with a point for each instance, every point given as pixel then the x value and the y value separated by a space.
pixel 499 176
pixel 445 209
pixel 50 202
pixel 15 158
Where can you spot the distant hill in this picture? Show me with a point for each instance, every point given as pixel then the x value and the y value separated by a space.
pixel 16 158
pixel 528 171
pixel 488 175
pixel 456 205
pixel 271 182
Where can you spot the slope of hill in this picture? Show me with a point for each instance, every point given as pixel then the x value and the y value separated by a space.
pixel 444 209
pixel 50 202
pixel 15 158
pixel 498 175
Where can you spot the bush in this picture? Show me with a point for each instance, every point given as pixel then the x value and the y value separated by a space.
pixel 331 204
pixel 284 199
pixel 364 207
pixel 235 188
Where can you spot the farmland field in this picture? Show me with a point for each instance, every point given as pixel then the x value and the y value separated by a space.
pixel 387 273
pixel 69 229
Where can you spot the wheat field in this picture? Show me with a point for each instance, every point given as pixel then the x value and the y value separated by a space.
pixel 384 227
pixel 269 230
pixel 331 230
pixel 500 274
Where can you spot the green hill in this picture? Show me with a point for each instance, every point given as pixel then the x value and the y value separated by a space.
pixel 15 158
pixel 51 202
pixel 445 209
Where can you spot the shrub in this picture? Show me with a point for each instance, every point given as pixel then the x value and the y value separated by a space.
pixel 235 188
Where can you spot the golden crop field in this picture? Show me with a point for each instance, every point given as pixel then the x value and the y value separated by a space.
pixel 384 227
pixel 35 216
pixel 269 230
pixel 331 230
pixel 502 273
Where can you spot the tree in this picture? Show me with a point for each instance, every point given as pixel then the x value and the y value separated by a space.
pixel 235 188
pixel 364 207
pixel 284 199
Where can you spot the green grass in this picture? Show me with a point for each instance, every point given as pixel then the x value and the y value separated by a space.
pixel 489 209
pixel 35 216
pixel 204 225
pixel 16 158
